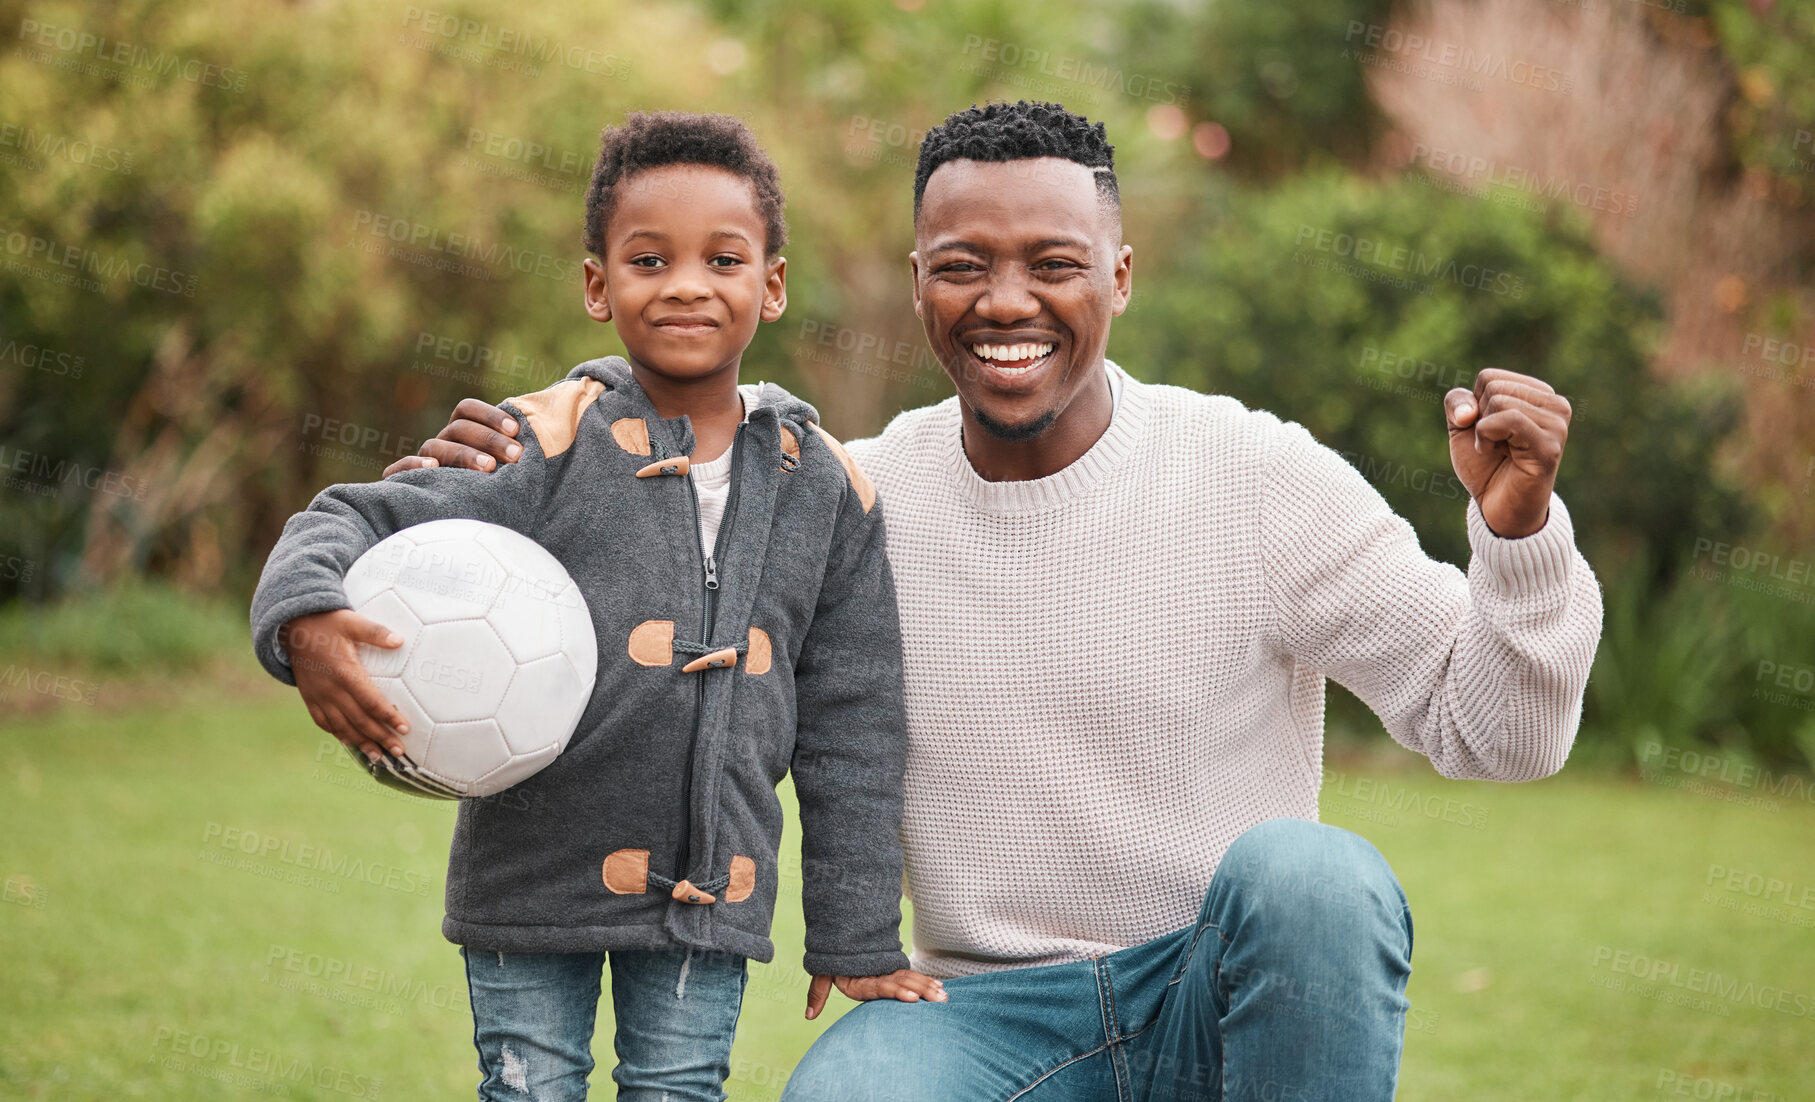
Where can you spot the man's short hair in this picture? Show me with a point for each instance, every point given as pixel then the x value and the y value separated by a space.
pixel 1018 131
pixel 652 139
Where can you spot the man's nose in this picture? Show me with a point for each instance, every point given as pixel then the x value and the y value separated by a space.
pixel 1008 297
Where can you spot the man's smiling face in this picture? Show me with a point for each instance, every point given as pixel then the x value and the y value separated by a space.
pixel 1018 267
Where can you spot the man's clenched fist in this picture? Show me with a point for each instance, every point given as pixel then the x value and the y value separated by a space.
pixel 1506 440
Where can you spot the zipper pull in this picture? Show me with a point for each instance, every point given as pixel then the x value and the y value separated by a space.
pixel 711 573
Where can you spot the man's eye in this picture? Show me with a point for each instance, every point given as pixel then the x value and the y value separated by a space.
pixel 961 266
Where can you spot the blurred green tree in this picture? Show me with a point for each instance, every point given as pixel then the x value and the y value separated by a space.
pixel 253 249
pixel 307 231
pixel 1352 306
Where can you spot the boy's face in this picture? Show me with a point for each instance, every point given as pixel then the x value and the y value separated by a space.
pixel 684 276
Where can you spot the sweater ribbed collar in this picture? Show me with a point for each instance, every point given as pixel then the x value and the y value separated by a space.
pixel 1111 451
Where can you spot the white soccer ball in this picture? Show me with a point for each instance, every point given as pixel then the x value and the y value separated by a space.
pixel 498 658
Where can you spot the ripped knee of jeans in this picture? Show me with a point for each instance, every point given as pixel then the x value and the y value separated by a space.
pixel 515 1072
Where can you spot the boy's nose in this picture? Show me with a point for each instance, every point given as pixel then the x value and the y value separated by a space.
pixel 686 286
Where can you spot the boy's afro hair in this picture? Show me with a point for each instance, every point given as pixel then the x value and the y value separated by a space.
pixel 1017 131
pixel 651 139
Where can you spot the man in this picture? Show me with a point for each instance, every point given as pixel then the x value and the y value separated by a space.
pixel 1119 603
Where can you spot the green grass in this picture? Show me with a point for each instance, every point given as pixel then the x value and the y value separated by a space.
pixel 129 951
pixel 138 626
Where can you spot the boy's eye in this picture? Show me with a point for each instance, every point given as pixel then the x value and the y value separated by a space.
pixel 726 261
pixel 646 262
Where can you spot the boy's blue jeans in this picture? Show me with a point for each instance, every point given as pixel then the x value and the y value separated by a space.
pixel 1290 987
pixel 533 1013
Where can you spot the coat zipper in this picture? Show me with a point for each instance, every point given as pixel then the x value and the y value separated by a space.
pixel 708 612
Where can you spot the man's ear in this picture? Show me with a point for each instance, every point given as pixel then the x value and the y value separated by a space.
pixel 598 302
pixel 1124 280
pixel 914 271
pixel 775 289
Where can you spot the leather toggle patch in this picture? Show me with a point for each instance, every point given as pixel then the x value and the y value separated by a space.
pixel 759 656
pixel 554 414
pixel 866 490
pixel 627 872
pixel 652 643
pixel 743 879
pixel 632 434
pixel 790 449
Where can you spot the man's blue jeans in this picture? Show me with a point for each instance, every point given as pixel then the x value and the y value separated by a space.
pixel 533 1015
pixel 1290 987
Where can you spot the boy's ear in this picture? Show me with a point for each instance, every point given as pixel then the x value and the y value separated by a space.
pixel 598 302
pixel 775 289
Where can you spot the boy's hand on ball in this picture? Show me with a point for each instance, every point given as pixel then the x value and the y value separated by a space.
pixel 907 985
pixel 341 698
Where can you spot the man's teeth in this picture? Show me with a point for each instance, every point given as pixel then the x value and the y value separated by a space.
pixel 1012 353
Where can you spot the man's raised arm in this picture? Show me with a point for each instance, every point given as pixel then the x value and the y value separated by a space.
pixel 1483 674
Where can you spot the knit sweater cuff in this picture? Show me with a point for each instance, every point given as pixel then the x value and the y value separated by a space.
pixel 1530 564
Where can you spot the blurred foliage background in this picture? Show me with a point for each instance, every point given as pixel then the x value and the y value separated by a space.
pixel 251 249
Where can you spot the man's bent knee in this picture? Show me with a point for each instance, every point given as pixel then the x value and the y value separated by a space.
pixel 867 1056
pixel 1298 869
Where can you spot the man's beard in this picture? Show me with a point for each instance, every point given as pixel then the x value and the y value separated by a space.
pixel 1026 430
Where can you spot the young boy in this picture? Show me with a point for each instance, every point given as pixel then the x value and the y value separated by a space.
pixel 731 554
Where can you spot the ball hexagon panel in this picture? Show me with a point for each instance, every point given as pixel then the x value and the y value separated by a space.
pixel 459 671
pixel 517 768
pixel 527 619
pixel 541 704
pixel 376 571
pixel 449 580
pixel 461 753
pixel 527 558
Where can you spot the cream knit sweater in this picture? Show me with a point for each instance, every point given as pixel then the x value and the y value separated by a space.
pixel 1115 670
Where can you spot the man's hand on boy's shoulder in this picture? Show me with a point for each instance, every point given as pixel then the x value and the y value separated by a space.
pixel 478 436
pixel 324 659
pixel 907 985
